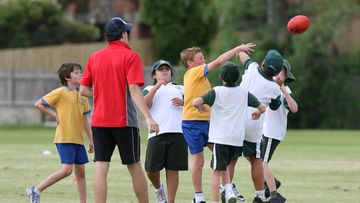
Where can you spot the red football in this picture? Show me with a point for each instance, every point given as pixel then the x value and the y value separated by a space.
pixel 298 24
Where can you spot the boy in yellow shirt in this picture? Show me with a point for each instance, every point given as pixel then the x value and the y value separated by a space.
pixel 71 111
pixel 195 125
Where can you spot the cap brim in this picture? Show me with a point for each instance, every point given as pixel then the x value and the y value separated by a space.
pixel 128 26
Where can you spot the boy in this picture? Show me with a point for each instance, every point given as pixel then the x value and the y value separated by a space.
pixel 258 80
pixel 274 129
pixel 195 125
pixel 227 122
pixel 168 148
pixel 70 115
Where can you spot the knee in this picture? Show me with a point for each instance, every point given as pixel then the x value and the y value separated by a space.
pixel 67 171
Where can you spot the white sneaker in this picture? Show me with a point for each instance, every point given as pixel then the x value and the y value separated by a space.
pixel 237 193
pixel 33 196
pixel 230 196
pixel 160 194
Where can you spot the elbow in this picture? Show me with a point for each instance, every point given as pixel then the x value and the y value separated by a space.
pixel 294 109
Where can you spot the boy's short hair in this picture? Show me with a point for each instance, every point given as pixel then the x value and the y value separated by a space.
pixel 65 70
pixel 189 54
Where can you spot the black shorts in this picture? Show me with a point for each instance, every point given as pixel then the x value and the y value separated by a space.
pixel 222 155
pixel 127 139
pixel 168 150
pixel 268 146
pixel 252 149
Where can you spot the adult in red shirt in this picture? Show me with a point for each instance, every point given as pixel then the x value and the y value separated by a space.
pixel 113 76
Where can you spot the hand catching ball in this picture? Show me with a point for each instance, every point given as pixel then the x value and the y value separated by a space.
pixel 298 24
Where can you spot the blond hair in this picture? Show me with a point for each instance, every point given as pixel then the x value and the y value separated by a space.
pixel 189 54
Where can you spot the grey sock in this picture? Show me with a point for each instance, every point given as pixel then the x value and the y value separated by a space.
pixel 273 194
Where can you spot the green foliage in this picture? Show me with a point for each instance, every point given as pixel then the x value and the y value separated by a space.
pixel 33 23
pixel 177 25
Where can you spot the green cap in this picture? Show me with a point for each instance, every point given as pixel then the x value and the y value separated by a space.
pixel 289 76
pixel 159 63
pixel 273 62
pixel 229 72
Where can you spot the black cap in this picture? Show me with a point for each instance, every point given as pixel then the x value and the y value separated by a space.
pixel 229 72
pixel 115 26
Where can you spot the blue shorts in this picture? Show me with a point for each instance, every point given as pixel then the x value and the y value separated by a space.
pixel 72 153
pixel 196 134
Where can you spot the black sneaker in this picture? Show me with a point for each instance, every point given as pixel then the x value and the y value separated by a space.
pixel 278 199
pixel 267 191
pixel 258 200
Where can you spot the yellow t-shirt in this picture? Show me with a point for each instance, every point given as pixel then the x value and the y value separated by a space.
pixel 195 84
pixel 71 108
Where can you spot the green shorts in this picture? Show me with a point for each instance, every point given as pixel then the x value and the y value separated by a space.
pixel 252 149
pixel 268 146
pixel 222 155
pixel 168 150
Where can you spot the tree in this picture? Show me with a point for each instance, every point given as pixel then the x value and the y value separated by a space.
pixel 26 23
pixel 179 24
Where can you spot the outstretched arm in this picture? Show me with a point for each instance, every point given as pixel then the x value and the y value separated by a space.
pixel 242 56
pixel 138 99
pixel 227 55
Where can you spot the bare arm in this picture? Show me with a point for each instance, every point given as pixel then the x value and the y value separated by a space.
pixel 227 55
pixel 39 105
pixel 89 134
pixel 85 91
pixel 198 103
pixel 260 109
pixel 139 101
pixel 242 56
pixel 291 101
pixel 149 97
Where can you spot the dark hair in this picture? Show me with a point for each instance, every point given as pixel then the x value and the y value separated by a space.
pixel 110 38
pixel 65 70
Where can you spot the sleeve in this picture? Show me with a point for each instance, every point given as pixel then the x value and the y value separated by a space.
pixel 146 90
pixel 135 74
pixel 209 98
pixel 87 108
pixel 87 76
pixel 198 72
pixel 275 103
pixel 52 98
pixel 253 101
pixel 247 63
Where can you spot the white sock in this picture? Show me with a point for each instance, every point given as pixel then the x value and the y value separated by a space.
pixel 261 194
pixel 37 191
pixel 199 196
pixel 228 187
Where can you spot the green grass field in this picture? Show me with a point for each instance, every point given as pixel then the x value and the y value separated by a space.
pixel 314 167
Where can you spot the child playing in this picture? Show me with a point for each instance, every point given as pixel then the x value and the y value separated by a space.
pixel 274 129
pixel 70 114
pixel 168 148
pixel 227 126
pixel 258 80
pixel 195 125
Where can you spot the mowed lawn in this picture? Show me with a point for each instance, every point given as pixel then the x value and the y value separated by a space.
pixel 314 166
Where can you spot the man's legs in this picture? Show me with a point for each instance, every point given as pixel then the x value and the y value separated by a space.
pixel 100 181
pixel 139 182
pixel 172 180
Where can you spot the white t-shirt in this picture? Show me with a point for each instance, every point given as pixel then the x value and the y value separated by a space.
pixel 264 90
pixel 227 119
pixel 168 116
pixel 275 122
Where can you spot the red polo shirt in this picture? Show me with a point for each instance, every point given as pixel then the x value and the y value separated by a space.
pixel 110 71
